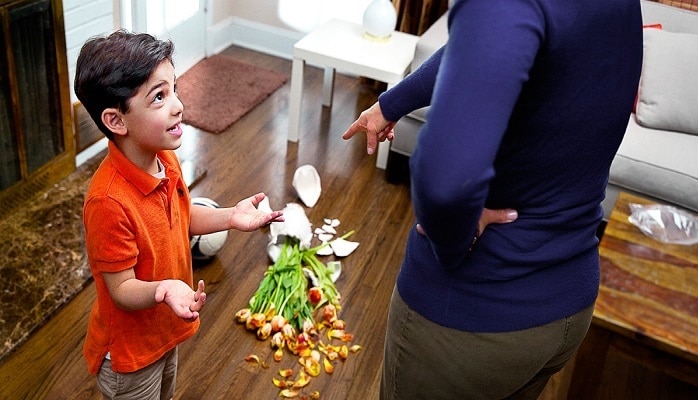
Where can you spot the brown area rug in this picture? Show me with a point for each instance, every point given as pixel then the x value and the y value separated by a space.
pixel 42 256
pixel 218 91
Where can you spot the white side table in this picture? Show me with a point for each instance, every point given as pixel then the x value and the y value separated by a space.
pixel 339 44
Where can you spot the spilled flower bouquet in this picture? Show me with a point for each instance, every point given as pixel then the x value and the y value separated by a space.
pixel 295 289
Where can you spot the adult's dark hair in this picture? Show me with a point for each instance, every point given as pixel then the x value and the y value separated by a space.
pixel 111 69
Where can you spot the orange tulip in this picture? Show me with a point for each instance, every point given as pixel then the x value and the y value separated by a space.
pixel 255 321
pixel 314 295
pixel 264 332
pixel 286 373
pixel 329 368
pixel 277 341
pixel 343 352
pixel 242 315
pixel 277 322
pixel 302 381
pixel 288 393
pixel 329 313
pixel 278 354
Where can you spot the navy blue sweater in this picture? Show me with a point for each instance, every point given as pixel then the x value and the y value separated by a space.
pixel 529 103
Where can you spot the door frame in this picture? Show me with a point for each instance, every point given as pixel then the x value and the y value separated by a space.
pixel 134 16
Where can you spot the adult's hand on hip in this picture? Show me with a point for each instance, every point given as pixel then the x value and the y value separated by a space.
pixel 488 216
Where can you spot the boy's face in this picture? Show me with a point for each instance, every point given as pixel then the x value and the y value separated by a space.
pixel 155 114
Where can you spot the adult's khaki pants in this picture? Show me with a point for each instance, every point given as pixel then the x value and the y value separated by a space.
pixel 424 360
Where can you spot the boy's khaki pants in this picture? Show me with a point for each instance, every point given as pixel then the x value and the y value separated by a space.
pixel 154 382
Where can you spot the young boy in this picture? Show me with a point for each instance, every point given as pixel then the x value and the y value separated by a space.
pixel 138 218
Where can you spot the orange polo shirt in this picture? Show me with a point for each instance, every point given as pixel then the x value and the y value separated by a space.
pixel 134 220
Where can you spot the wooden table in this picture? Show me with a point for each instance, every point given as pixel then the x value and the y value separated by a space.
pixel 647 305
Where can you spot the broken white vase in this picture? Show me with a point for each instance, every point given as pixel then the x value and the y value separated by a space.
pixel 343 248
pixel 306 181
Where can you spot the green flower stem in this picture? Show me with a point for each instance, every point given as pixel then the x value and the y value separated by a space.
pixel 284 287
pixel 283 290
pixel 328 288
pixel 315 249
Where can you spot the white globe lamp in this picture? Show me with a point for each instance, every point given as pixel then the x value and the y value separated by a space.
pixel 379 20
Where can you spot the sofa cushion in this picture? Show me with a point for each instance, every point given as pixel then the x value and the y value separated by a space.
pixel 668 92
pixel 649 26
pixel 433 39
pixel 661 164
pixel 406 133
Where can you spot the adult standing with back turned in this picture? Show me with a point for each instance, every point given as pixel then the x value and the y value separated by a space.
pixel 529 103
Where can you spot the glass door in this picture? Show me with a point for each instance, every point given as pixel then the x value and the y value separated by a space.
pixel 181 21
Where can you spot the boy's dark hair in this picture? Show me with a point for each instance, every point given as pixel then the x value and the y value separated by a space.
pixel 111 69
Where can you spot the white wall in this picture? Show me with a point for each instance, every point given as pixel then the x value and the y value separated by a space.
pixel 273 26
pixel 269 26
pixel 84 19
pixel 296 15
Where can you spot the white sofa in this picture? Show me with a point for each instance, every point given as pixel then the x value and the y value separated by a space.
pixel 658 159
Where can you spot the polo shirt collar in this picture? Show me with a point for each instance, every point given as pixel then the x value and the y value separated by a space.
pixel 142 180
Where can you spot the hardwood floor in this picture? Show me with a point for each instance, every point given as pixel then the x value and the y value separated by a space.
pixel 251 156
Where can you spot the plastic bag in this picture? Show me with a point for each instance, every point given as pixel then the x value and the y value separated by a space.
pixel 664 223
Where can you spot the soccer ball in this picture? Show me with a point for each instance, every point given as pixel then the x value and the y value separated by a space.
pixel 205 247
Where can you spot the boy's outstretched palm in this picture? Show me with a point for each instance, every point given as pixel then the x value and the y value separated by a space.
pixel 246 217
pixel 183 301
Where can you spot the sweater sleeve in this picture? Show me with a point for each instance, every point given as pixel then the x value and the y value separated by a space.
pixel 413 92
pixel 492 46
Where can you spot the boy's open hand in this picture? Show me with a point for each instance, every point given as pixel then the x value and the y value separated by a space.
pixel 183 301
pixel 246 217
